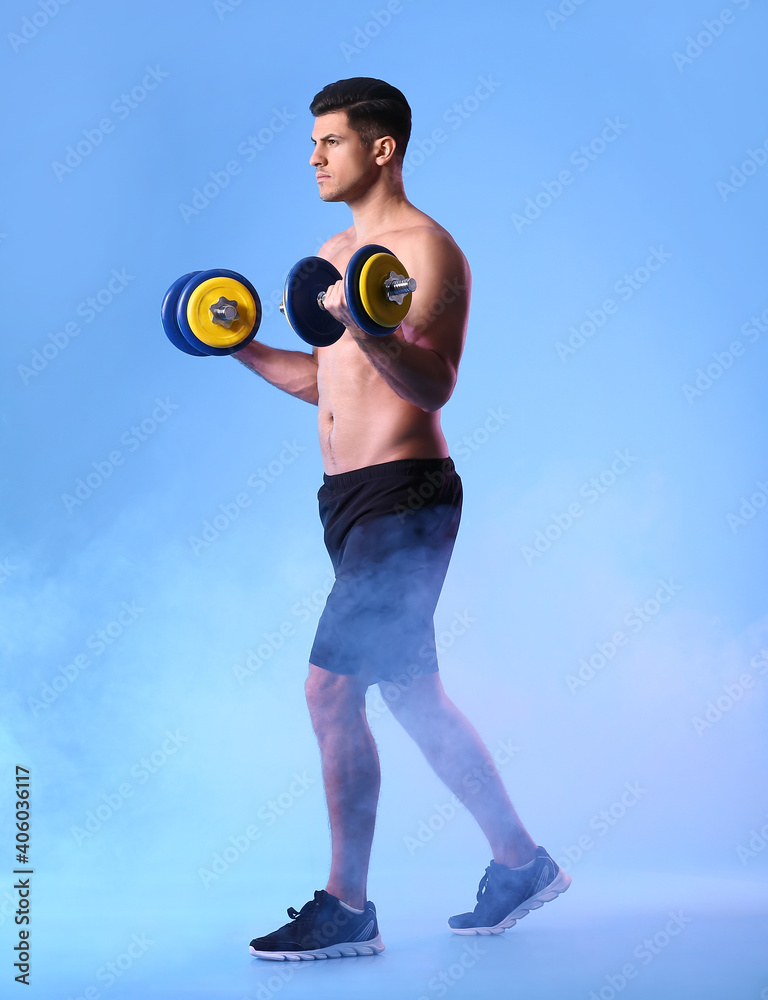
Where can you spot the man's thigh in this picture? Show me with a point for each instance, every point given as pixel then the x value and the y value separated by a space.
pixel 409 696
pixel 380 610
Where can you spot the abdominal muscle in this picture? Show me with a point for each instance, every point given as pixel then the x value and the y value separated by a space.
pixel 362 421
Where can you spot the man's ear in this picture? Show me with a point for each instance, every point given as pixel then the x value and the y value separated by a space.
pixel 384 149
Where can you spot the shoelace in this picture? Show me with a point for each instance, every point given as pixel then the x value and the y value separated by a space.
pixel 294 914
pixel 483 884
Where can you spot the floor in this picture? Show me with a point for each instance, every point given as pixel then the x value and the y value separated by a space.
pixel 649 935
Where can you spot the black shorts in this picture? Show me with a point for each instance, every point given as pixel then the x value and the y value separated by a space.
pixel 389 530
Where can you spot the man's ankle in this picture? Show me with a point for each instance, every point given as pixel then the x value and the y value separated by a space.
pixel 352 900
pixel 515 858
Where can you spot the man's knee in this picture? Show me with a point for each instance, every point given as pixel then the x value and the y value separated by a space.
pixel 333 698
pixel 318 687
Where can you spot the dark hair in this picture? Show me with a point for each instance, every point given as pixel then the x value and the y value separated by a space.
pixel 374 109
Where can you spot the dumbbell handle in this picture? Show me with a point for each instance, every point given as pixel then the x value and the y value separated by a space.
pixel 224 312
pixel 394 287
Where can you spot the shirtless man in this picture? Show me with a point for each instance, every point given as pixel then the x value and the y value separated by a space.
pixel 390 506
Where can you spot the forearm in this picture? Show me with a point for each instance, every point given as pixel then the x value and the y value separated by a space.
pixel 295 372
pixel 417 374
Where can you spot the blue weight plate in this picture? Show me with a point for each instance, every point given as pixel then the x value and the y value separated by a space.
pixel 305 281
pixel 351 290
pixel 181 312
pixel 168 316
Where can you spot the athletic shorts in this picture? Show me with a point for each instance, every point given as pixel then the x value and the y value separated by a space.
pixel 389 530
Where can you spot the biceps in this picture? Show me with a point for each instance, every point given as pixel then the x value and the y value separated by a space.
pixel 442 333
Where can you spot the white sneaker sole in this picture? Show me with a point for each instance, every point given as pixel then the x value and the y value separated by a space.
pixel 558 884
pixel 347 949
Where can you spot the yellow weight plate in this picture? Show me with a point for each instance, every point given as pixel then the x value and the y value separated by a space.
pixel 374 299
pixel 199 312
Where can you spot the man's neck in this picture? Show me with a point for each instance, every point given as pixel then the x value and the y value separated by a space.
pixel 381 208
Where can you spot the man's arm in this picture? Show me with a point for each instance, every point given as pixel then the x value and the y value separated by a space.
pixel 418 375
pixel 420 361
pixel 295 372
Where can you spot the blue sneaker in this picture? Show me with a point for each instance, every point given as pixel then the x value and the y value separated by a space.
pixel 507 894
pixel 322 928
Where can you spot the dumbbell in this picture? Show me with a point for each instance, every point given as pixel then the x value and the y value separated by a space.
pixel 376 285
pixel 211 312
pixel 218 312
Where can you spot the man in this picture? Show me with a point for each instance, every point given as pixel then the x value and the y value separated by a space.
pixel 390 506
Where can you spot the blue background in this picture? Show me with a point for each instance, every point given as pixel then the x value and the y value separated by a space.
pixel 126 619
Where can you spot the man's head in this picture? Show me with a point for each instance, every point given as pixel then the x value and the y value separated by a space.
pixel 362 125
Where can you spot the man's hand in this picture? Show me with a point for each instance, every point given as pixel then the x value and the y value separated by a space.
pixel 335 303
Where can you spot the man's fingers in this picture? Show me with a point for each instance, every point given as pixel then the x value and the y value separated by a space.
pixel 335 302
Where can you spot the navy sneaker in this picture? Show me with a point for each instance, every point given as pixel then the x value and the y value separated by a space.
pixel 322 928
pixel 505 895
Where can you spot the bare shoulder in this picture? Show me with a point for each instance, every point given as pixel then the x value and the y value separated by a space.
pixel 428 245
